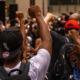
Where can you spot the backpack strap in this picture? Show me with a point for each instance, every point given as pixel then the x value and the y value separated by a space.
pixel 20 72
pixel 3 73
pixel 66 39
pixel 25 68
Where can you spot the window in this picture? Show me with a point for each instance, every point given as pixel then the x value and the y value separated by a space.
pixel 64 2
pixel 32 2
pixel 10 2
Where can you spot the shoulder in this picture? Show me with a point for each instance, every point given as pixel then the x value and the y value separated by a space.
pixel 56 36
pixel 41 54
pixel 41 60
pixel 39 64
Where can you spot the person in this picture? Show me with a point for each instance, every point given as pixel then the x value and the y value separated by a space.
pixel 75 16
pixel 21 20
pixel 59 41
pixel 70 26
pixel 75 60
pixel 2 27
pixel 10 42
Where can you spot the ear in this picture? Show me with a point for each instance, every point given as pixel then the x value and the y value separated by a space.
pixel 69 32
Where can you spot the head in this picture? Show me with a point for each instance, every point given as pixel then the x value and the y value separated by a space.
pixel 10 43
pixel 71 25
pixel 75 16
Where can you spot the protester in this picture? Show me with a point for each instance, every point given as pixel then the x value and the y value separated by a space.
pixel 75 16
pixel 59 41
pixel 71 25
pixel 10 43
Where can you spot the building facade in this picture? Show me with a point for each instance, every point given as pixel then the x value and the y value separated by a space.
pixel 23 5
pixel 53 6
pixel 61 6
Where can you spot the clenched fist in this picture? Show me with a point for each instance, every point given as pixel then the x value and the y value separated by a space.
pixel 50 16
pixel 20 15
pixel 34 11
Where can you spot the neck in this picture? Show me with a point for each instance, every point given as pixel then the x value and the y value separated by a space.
pixel 11 63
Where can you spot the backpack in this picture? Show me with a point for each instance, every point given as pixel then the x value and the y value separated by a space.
pixel 18 78
pixel 63 69
pixel 22 75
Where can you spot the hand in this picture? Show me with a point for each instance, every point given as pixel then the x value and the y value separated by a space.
pixel 50 16
pixel 20 15
pixel 34 11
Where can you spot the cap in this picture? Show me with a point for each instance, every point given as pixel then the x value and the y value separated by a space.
pixel 71 24
pixel 10 43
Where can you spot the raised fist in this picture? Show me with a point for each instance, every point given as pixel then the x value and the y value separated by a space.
pixel 50 16
pixel 20 15
pixel 34 11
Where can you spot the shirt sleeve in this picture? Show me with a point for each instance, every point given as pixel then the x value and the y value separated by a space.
pixel 39 65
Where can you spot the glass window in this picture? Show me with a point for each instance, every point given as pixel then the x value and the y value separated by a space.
pixel 64 2
pixel 32 2
pixel 10 2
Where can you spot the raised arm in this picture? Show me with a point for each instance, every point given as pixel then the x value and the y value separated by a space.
pixel 48 17
pixel 20 15
pixel 34 11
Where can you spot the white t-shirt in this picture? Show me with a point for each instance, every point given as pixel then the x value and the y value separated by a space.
pixel 38 65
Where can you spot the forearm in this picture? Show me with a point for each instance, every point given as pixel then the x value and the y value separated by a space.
pixel 34 11
pixel 22 29
pixel 46 20
pixel 44 32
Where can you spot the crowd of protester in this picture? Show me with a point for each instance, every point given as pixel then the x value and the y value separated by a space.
pixel 50 46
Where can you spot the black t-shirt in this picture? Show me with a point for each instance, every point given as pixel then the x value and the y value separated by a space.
pixel 58 42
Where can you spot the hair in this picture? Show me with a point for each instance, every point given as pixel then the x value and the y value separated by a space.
pixel 75 56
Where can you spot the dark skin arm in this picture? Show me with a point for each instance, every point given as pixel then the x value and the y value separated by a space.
pixel 20 15
pixel 34 12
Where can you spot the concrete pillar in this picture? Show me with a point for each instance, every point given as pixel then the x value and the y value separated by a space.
pixel 23 6
pixel 43 4
pixel 46 6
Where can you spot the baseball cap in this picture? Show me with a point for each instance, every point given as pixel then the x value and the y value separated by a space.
pixel 10 43
pixel 71 24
